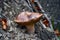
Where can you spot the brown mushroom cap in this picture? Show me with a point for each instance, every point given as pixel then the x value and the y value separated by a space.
pixel 25 18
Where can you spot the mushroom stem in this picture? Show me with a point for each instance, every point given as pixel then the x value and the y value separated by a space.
pixel 30 28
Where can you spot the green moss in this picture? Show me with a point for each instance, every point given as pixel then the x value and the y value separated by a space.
pixel 59 37
pixel 58 26
pixel 52 20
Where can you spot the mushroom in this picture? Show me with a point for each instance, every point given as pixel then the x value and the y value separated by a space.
pixel 4 25
pixel 4 21
pixel 28 19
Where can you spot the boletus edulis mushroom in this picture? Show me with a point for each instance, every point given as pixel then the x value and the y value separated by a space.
pixel 28 19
